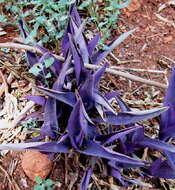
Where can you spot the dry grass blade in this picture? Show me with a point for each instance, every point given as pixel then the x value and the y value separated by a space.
pixel 3 86
pixel 12 182
pixel 165 20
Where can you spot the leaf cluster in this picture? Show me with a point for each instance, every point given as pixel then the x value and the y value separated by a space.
pixel 50 17
pixel 77 114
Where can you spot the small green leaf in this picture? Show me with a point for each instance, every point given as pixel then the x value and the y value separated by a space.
pixel 41 19
pixel 39 187
pixel 35 134
pixel 64 17
pixel 123 4
pixel 59 34
pixel 69 2
pixel 85 4
pixel 49 182
pixel 38 180
pixel 48 62
pixel 35 70
pixel 3 18
pixel 48 75
pixel 14 9
pixel 33 33
pixel 45 39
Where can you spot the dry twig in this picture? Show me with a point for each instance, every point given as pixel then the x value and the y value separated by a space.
pixel 139 70
pixel 165 20
pixel 88 66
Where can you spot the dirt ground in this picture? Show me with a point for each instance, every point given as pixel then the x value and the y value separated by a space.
pixel 151 47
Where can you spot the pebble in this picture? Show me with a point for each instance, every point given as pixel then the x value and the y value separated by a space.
pixel 35 164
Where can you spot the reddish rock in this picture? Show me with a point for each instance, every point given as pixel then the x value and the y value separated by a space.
pixel 35 164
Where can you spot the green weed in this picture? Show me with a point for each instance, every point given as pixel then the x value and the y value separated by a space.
pixel 50 17
pixel 43 184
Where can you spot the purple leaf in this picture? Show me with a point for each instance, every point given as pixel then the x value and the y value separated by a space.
pixel 93 43
pixel 98 74
pixel 170 98
pixel 77 60
pixel 115 173
pixel 59 83
pixel 98 98
pixel 170 159
pixel 20 146
pixel 124 118
pixel 31 57
pixel 37 99
pixel 161 168
pixel 138 135
pixel 65 42
pixel 69 29
pixel 167 122
pixel 82 43
pixel 101 54
pixel 65 97
pixel 94 149
pixel 86 92
pixel 56 66
pixel 119 165
pixel 86 178
pixel 74 14
pixel 122 104
pixel 106 139
pixel 77 125
pixel 157 144
pixel 51 147
pixel 80 30
pixel 50 126
pixel 111 95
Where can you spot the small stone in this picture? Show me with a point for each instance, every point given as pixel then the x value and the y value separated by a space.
pixel 35 164
pixel 168 39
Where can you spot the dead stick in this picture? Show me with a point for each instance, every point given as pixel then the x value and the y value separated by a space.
pixel 34 49
pixel 129 76
pixel 89 66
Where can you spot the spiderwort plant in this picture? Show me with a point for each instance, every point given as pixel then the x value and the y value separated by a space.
pixel 75 111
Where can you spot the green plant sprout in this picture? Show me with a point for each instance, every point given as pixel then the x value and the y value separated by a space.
pixel 38 69
pixel 43 184
pixel 29 124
